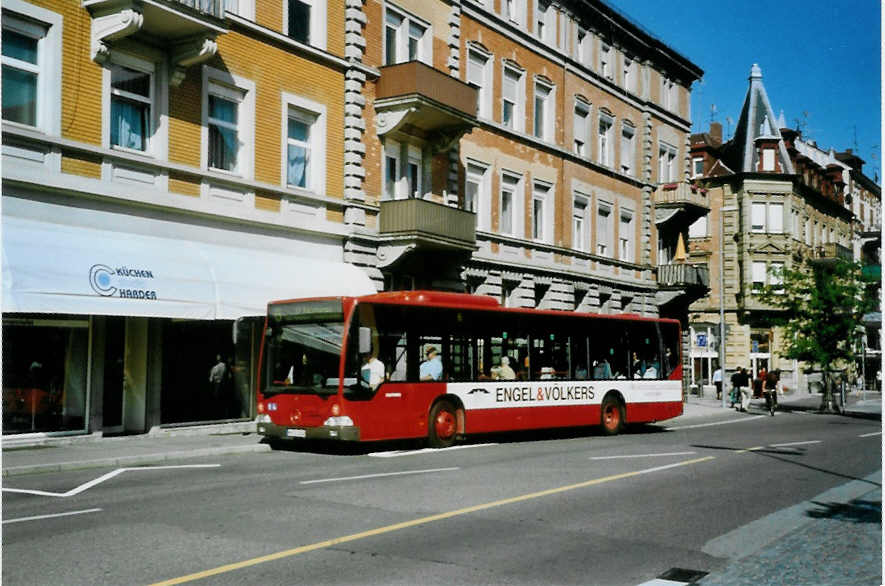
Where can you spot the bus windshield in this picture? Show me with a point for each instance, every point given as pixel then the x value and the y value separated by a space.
pixel 303 347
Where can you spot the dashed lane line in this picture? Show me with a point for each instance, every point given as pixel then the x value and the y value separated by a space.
pixel 791 444
pixel 399 453
pixel 642 455
pixel 379 475
pixel 56 515
pixel 699 425
pixel 420 521
pixel 871 434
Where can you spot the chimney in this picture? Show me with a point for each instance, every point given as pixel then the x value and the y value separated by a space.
pixel 716 131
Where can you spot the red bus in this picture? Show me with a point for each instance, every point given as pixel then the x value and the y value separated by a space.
pixel 437 365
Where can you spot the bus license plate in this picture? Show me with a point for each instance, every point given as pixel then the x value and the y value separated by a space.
pixel 296 432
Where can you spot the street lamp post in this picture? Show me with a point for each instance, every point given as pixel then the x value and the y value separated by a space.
pixel 722 300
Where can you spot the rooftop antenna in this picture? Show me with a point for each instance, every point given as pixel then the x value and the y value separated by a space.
pixel 713 112
pixel 728 128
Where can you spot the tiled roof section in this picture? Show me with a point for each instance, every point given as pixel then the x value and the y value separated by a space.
pixel 757 121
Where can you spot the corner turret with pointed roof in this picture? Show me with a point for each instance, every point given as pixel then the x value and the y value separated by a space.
pixel 757 128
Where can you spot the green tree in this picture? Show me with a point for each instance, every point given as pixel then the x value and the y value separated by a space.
pixel 820 305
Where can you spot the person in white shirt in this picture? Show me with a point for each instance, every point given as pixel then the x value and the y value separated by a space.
pixel 372 372
pixel 717 381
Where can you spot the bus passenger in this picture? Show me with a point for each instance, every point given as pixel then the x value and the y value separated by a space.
pixel 602 369
pixel 504 372
pixel 431 369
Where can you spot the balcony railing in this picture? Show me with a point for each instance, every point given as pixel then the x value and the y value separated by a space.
pixel 681 194
pixel 209 7
pixel 433 224
pixel 832 250
pixel 683 276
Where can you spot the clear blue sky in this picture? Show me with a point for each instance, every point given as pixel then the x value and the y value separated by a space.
pixel 820 63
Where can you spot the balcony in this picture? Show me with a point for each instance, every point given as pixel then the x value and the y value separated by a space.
pixel 417 99
pixel 681 281
pixel 186 28
pixel 831 251
pixel 680 202
pixel 416 224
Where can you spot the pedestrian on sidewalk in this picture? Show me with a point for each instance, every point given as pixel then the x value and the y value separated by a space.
pixel 717 381
pixel 741 381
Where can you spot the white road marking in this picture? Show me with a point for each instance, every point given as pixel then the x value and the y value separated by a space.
pixel 794 444
pixel 662 582
pixel 742 420
pixel 871 434
pixel 398 453
pixel 642 456
pixel 38 517
pixel 100 479
pixel 380 475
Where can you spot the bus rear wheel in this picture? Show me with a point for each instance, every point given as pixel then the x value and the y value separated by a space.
pixel 612 416
pixel 443 425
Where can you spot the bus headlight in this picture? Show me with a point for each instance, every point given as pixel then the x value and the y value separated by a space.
pixel 340 421
pixel 263 418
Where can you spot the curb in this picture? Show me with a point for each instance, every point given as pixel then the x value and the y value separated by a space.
pixel 125 461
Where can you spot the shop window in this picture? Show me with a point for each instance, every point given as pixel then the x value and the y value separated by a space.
pixel 44 374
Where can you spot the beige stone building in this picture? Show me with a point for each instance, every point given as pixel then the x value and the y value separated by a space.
pixel 776 199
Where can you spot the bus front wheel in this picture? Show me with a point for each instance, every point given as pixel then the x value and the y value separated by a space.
pixel 443 425
pixel 612 416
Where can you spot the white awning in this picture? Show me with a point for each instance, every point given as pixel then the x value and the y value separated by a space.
pixel 56 268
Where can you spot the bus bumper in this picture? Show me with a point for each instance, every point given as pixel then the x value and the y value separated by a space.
pixel 327 432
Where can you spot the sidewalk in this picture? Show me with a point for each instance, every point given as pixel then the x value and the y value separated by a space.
pixel 35 455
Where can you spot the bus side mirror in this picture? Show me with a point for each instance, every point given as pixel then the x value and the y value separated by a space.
pixel 365 341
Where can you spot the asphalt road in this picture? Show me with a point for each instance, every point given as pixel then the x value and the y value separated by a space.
pixel 568 508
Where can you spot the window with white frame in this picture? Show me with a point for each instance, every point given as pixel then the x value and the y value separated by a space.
pixel 625 236
pixel 479 76
pixel 605 61
pixel 228 117
pixel 298 148
pixel 414 183
pixel 545 28
pixel 31 58
pixel 392 170
pixel 760 270
pixel 604 135
pixel 132 104
pixel 697 167
pixel 244 8
pixel 767 217
pixel 667 154
pixel 223 123
pixel 628 148
pixel 630 76
pixel 667 93
pixel 542 219
pixel 768 159
pixel 305 20
pixel 808 232
pixel 508 205
pixel 476 194
pixel 406 38
pixel 699 228
pixel 797 225
pixel 512 99
pixel 514 10
pixel 584 43
pixel 21 43
pixel 304 143
pixel 603 229
pixel 543 110
pixel 582 128
pixel 580 223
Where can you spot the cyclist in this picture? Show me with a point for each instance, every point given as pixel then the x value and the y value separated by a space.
pixel 771 381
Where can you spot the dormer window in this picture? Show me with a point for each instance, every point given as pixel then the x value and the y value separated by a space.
pixel 768 159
